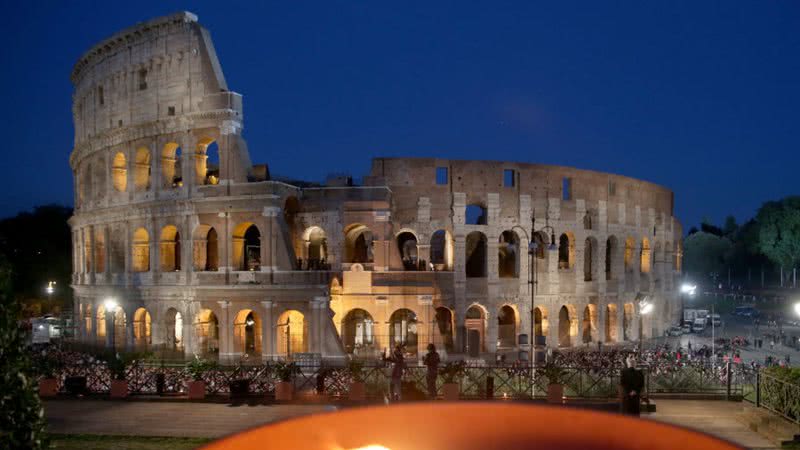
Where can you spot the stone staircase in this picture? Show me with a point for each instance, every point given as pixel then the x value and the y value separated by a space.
pixel 773 427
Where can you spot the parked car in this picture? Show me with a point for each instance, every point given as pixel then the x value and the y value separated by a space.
pixel 699 325
pixel 715 319
pixel 687 328
pixel 675 331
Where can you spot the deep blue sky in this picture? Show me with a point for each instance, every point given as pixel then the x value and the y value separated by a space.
pixel 702 97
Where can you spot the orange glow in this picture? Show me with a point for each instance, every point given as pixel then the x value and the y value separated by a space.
pixel 468 426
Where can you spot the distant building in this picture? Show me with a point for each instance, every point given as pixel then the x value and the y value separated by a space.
pixel 205 254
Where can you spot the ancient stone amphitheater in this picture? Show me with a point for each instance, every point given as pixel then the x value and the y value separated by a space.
pixel 182 245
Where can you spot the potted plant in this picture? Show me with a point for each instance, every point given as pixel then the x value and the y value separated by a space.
pixel 451 375
pixel 196 368
pixel 285 387
pixel 117 365
pixel 46 367
pixel 555 380
pixel 358 390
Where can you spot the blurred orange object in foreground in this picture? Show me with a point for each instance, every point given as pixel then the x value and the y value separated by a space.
pixel 468 426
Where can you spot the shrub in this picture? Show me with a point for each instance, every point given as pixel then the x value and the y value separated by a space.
pixel 286 371
pixel 453 371
pixel 198 366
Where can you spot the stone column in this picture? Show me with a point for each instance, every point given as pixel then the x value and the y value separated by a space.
pixel 155 249
pixel 107 253
pixel 621 322
pixel 602 313
pixel 225 333
pixel 110 317
pixel 188 340
pixel 267 332
pixel 130 341
pixel 490 340
pixel 90 254
pixel 92 335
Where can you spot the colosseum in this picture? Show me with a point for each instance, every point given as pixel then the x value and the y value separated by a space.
pixel 183 245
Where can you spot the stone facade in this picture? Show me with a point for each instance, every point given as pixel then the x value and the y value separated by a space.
pixel 182 244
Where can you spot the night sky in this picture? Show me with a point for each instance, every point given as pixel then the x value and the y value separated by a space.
pixel 701 97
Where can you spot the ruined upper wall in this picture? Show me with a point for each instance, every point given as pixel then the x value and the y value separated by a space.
pixel 157 70
pixel 415 177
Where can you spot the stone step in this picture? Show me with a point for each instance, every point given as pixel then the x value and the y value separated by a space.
pixel 770 425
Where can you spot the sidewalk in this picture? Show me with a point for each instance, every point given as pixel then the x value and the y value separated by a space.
pixel 212 420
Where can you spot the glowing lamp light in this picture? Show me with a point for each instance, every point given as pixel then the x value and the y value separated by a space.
pixel 797 308
pixel 110 304
pixel 687 288
pixel 646 308
pixel 250 322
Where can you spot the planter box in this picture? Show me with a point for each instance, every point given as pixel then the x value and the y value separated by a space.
pixel 75 385
pixel 48 387
pixel 450 392
pixel 358 391
pixel 284 391
pixel 119 388
pixel 555 393
pixel 197 390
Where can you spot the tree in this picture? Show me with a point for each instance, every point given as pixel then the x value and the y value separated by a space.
pixel 21 414
pixel 731 227
pixel 704 253
pixel 779 231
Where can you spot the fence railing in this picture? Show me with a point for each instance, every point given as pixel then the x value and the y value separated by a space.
pixel 782 397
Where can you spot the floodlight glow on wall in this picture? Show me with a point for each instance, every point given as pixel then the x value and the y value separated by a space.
pixel 110 304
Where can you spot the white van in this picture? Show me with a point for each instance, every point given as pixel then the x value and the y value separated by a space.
pixel 699 325
pixel 716 320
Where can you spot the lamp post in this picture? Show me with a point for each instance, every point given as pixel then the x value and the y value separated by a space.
pixel 532 281
pixel 111 305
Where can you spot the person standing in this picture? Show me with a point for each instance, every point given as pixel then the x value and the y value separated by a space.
pixel 397 371
pixel 631 384
pixel 431 361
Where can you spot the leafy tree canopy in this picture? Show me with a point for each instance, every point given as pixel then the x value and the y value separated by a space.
pixel 779 231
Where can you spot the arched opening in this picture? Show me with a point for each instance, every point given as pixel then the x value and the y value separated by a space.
pixel 407 245
pixel 119 172
pixel 247 333
pixel 87 318
pixel 564 325
pixel 508 255
pixel 475 249
pixel 506 327
pixel 403 330
pixel 99 176
pixel 173 330
pixel 358 333
pixel 475 325
pixel 566 251
pixel 141 250
pixel 611 248
pixel 206 156
pixel 170 249
pixel 207 332
pixel 247 247
pixel 442 250
pixel 589 253
pixel 629 248
pixel 101 324
pixel 589 323
pixel 611 324
pixel 358 244
pixel 205 254
pixel 292 332
pixel 678 263
pixel 171 172
pixel 627 322
pixel 141 169
pixel 85 184
pixel 315 248
pixel 475 214
pixel 444 326
pixel 120 335
pixel 540 323
pixel 645 256
pixel 99 250
pixel 141 329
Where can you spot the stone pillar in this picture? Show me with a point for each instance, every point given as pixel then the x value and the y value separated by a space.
pixel 130 341
pixel 90 254
pixel 107 253
pixel 267 332
pixel 92 335
pixel 621 322
pixel 313 326
pixel 225 333
pixel 188 151
pixel 602 313
pixel 188 312
pixel 155 249
pixel 491 332
pixel 110 317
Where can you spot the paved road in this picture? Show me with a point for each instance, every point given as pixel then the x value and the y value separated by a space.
pixel 212 420
pixel 736 326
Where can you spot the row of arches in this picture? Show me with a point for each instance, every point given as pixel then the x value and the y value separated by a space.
pixel 358 328
pixel 291 330
pixel 139 163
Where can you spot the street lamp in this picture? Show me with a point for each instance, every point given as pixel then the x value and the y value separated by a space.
pixel 532 247
pixel 50 288
pixel 111 305
pixel 686 289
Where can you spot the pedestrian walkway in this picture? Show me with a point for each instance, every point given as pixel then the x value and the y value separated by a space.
pixel 212 420
pixel 715 417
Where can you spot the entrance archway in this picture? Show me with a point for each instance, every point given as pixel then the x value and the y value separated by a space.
pixel 292 331
pixel 173 330
pixel 627 322
pixel 403 329
pixel 207 332
pixel 475 325
pixel 506 327
pixel 444 326
pixel 141 328
pixel 540 323
pixel 611 323
pixel 564 325
pixel 247 333
pixel 358 332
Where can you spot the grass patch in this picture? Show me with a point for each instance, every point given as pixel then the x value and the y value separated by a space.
pixel 103 442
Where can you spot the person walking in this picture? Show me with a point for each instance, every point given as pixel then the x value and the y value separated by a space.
pixel 397 371
pixel 431 361
pixel 631 384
